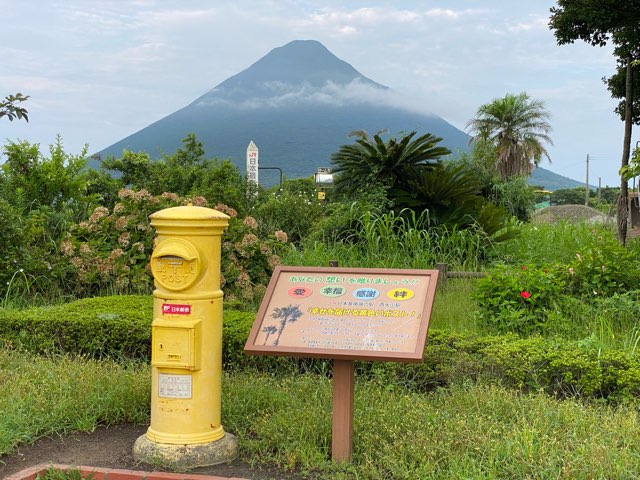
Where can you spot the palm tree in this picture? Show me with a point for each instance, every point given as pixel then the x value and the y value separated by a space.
pixel 288 314
pixel 371 161
pixel 517 126
pixel 268 330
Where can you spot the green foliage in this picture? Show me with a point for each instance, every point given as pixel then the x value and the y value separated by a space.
pixel 465 431
pixel 70 474
pixel 633 168
pixel 604 322
pixel 248 258
pixel 111 249
pixel 120 327
pixel 374 162
pixel 390 240
pixel 518 299
pixel 40 197
pixel 10 109
pixel 185 173
pixel 569 196
pixel 548 244
pixel 452 195
pixel 517 127
pixel 295 186
pixel 11 240
pixel 56 395
pixel 117 327
pixel 603 269
pixel 294 213
pixel 341 221
pixel 471 432
pixel 30 180
pixel 515 195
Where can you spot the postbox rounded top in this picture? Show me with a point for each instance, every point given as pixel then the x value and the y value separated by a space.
pixel 189 212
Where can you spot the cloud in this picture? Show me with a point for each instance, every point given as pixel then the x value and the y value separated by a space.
pixel 284 95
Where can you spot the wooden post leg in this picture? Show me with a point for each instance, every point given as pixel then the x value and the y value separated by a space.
pixel 342 424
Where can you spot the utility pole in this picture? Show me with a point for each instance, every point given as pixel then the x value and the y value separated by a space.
pixel 586 190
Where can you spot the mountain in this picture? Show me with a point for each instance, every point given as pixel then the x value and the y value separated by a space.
pixel 298 104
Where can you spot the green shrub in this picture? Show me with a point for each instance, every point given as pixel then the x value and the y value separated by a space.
pixel 294 213
pixel 248 259
pixel 121 327
pixel 97 327
pixel 518 299
pixel 602 269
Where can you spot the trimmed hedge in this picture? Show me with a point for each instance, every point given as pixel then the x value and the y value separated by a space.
pixel 121 327
pixel 118 326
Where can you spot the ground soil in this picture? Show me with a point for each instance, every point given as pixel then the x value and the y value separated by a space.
pixel 112 447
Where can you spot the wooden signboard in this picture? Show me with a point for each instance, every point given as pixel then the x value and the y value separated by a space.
pixel 345 314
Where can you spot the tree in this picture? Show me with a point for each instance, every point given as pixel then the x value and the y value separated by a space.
pixel 288 314
pixel 517 127
pixel 9 109
pixel 597 22
pixel 187 172
pixel 31 180
pixel 616 84
pixel 373 162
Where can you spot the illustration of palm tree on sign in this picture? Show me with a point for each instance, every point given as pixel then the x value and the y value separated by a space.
pixel 269 330
pixel 288 314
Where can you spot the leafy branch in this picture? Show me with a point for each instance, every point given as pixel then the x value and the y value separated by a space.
pixel 9 109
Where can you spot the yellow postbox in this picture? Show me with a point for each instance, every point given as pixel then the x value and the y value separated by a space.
pixel 186 342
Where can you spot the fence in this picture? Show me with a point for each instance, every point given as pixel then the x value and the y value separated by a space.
pixel 444 273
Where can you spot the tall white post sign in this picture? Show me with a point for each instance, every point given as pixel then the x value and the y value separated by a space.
pixel 252 163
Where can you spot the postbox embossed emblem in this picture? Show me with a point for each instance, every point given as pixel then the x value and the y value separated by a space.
pixel 175 264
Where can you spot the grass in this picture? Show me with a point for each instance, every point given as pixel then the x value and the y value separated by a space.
pixel 393 241
pixel 53 474
pixel 43 396
pixel 557 243
pixel 466 431
pixel 454 306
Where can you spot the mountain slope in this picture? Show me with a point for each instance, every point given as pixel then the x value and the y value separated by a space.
pixel 298 104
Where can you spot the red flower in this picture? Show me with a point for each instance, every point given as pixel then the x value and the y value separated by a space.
pixel 523 267
pixel 525 294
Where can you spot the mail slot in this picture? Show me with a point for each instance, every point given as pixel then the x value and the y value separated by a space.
pixel 175 264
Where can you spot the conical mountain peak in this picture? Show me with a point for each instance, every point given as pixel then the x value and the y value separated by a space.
pixel 298 104
pixel 299 64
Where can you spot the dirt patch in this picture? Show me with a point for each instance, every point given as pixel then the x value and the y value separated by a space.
pixel 113 448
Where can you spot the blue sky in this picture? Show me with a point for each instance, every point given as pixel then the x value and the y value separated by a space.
pixel 97 71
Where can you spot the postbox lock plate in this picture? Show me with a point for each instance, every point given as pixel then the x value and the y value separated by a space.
pixel 175 264
pixel 176 344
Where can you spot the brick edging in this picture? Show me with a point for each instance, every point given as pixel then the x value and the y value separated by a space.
pixel 112 473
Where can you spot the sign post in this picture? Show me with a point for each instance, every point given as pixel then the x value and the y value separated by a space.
pixel 252 163
pixel 344 314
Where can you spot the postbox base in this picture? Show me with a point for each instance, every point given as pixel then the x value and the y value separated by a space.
pixel 182 458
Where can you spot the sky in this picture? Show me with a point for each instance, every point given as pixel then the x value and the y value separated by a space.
pixel 98 71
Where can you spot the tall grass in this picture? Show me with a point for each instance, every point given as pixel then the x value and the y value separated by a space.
pixel 555 243
pixel 394 241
